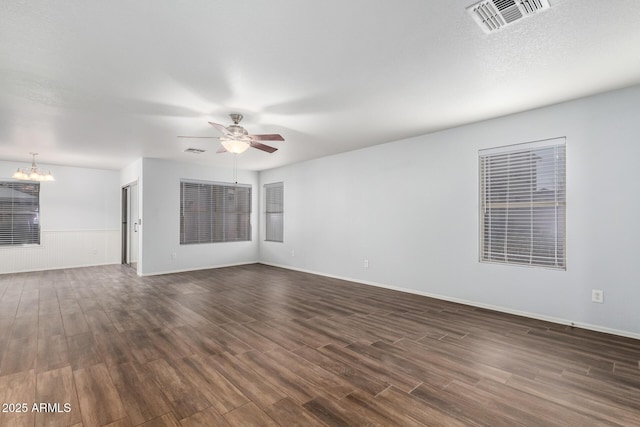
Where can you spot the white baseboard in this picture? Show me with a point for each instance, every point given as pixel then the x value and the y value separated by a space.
pixel 66 267
pixel 507 310
pixel 186 270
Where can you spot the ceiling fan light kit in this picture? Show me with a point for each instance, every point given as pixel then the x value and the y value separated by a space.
pixel 33 173
pixel 235 146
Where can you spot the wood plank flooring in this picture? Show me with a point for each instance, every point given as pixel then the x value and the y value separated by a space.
pixel 257 345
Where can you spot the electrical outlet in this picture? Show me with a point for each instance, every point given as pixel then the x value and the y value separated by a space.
pixel 597 296
pixel 174 255
pixel 366 263
pixel 293 253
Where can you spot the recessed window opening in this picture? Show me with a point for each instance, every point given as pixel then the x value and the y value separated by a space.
pixel 19 213
pixel 213 212
pixel 274 212
pixel 523 204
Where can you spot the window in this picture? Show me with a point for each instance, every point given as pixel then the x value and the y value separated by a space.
pixel 214 212
pixel 523 204
pixel 19 213
pixel 274 202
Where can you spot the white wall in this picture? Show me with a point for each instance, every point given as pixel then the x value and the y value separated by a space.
pixel 411 208
pixel 131 173
pixel 161 219
pixel 79 220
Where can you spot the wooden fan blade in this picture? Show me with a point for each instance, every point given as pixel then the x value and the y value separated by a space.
pixel 199 137
pixel 263 147
pixel 267 137
pixel 221 128
pixel 221 150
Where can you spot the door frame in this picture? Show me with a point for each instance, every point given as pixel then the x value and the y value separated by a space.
pixel 126 221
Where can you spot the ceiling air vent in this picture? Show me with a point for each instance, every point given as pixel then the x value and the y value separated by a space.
pixel 194 150
pixel 493 15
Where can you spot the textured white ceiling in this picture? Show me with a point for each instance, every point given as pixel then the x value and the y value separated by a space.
pixel 102 83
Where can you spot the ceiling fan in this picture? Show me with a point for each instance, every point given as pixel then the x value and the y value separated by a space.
pixel 235 139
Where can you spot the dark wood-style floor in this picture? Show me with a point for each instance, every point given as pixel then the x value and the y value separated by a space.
pixel 257 345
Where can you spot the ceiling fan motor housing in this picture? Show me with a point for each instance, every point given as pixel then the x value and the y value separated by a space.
pixel 237 131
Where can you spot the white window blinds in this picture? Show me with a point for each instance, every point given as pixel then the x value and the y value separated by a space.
pixel 214 212
pixel 274 221
pixel 523 204
pixel 19 213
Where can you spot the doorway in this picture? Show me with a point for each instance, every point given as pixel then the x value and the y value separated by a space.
pixel 130 225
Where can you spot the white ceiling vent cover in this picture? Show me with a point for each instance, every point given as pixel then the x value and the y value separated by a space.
pixel 493 15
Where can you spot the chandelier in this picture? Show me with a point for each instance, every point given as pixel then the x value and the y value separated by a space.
pixel 33 173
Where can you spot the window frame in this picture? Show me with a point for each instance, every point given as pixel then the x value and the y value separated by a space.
pixel 218 220
pixel 536 205
pixel 34 238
